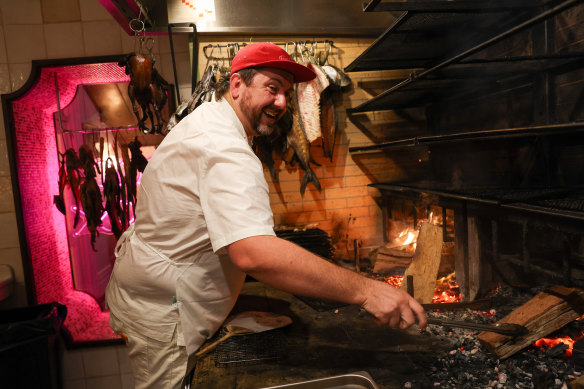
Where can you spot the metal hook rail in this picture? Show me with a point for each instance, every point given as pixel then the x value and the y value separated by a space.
pixel 233 48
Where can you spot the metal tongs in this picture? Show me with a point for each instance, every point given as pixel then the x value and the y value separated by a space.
pixel 508 329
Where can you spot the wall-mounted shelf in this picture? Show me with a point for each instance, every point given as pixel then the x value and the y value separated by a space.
pixel 453 80
pixel 428 32
pixel 557 202
pixel 506 133
pixel 448 40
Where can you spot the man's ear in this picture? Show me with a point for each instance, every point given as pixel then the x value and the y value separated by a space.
pixel 235 85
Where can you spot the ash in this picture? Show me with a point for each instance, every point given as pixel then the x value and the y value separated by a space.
pixel 468 365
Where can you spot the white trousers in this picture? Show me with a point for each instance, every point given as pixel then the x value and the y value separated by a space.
pixel 156 365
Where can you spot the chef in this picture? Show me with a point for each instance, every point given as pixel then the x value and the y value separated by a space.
pixel 203 221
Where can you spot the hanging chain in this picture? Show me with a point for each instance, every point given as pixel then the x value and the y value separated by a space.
pixel 142 45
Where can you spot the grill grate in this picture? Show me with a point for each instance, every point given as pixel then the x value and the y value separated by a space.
pixel 506 195
pixel 251 349
pixel 570 203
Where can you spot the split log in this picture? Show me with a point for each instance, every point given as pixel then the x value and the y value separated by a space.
pixel 544 314
pixel 425 264
pixel 578 383
pixel 387 258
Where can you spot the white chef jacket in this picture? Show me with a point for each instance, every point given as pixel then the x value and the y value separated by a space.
pixel 203 189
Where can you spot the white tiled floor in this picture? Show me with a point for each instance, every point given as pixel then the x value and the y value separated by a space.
pixel 97 368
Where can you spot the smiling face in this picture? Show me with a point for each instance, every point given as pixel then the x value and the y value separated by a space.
pixel 263 100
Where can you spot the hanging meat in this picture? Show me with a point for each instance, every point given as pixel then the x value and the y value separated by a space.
pixel 73 165
pixel 59 200
pixel 112 193
pixel 90 194
pixel 146 89
pixel 137 164
pixel 123 216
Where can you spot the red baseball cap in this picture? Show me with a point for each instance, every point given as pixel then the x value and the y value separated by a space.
pixel 264 54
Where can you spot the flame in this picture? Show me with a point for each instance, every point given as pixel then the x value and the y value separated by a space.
pixel 410 238
pixel 447 290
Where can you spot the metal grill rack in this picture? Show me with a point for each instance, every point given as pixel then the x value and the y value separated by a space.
pixel 251 349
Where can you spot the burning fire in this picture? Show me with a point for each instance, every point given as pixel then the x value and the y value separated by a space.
pixel 548 343
pixel 446 291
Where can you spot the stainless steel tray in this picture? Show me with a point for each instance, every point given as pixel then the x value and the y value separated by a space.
pixel 357 380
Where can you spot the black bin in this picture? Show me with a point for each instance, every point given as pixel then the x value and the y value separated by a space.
pixel 28 356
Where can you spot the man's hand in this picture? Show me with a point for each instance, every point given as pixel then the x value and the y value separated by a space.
pixel 394 307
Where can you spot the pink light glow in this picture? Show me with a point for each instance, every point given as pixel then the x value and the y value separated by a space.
pixel 37 166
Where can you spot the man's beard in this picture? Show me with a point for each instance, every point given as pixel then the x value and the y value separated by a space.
pixel 259 127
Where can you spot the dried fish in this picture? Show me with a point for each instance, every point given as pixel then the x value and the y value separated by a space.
pixel 299 142
pixel 328 121
pixel 309 102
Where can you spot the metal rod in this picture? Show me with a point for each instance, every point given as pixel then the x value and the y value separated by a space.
pixel 511 31
pixel 296 43
pixel 58 102
pixel 508 329
pixel 368 7
pixel 174 64
pixel 448 6
pixel 195 58
pixel 482 134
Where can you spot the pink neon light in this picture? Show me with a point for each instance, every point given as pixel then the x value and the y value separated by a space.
pixel 37 165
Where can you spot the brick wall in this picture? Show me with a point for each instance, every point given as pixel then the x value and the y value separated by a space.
pixel 345 207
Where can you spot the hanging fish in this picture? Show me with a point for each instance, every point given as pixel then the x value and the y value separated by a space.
pixel 299 142
pixel 263 149
pixel 336 76
pixel 309 102
pixel 328 123
pixel 203 91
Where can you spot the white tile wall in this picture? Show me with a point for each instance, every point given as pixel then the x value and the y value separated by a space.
pixel 21 12
pixel 3 57
pixel 93 10
pixel 102 38
pixel 24 42
pixel 55 11
pixel 64 40
pixel 49 29
pixel 5 85
pixel 19 73
pixel 97 368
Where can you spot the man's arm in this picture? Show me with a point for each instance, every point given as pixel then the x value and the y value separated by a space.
pixel 289 267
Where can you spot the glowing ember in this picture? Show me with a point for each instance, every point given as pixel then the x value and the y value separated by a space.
pixel 447 290
pixel 548 343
